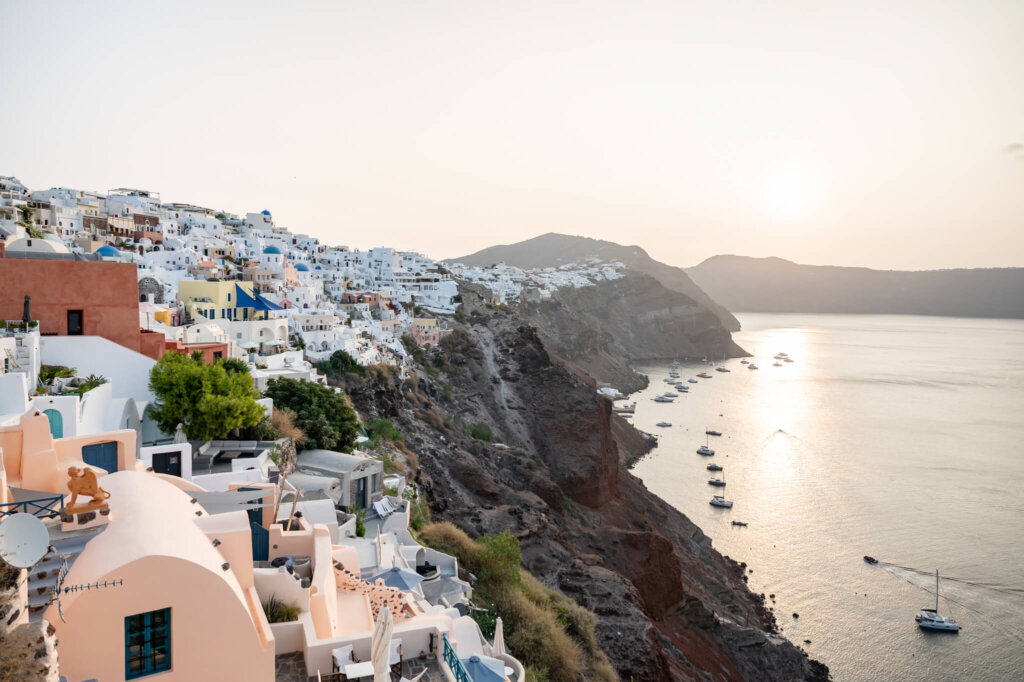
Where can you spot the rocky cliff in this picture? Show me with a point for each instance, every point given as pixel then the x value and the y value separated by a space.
pixel 600 329
pixel 669 606
pixel 554 250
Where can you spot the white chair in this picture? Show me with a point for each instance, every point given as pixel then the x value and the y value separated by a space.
pixel 342 656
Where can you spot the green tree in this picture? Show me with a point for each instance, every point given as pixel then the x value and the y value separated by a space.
pixel 339 364
pixel 25 215
pixel 208 400
pixel 322 413
pixel 235 365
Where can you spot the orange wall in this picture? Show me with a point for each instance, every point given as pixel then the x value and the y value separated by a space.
pixel 106 292
pixel 208 349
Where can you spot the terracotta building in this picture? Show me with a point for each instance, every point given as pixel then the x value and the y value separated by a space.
pixel 78 298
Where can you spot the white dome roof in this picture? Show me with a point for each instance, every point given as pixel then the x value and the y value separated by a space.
pixel 30 245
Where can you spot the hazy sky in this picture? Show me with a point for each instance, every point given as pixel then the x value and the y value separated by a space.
pixel 857 133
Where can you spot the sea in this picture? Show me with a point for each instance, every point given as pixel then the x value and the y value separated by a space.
pixel 898 437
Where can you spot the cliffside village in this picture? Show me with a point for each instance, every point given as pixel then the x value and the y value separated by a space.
pixel 165 554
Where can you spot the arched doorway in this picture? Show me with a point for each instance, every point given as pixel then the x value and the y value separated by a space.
pixel 56 423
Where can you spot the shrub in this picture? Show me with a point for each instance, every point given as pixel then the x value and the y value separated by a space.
pixel 339 364
pixel 280 612
pixel 48 373
pixel 384 429
pixel 360 522
pixel 323 415
pixel 480 432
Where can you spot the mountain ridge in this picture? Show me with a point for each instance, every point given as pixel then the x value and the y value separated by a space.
pixel 778 285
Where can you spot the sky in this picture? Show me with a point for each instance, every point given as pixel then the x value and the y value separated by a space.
pixel 884 134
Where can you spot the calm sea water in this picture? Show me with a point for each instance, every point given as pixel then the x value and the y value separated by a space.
pixel 895 436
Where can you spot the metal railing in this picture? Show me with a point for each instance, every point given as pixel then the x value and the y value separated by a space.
pixel 454 664
pixel 41 507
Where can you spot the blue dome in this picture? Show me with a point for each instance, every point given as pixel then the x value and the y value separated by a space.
pixel 272 249
pixel 302 267
pixel 108 251
pixel 319 268
pixel 265 212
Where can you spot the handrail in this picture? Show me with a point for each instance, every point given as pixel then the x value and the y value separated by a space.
pixel 41 507
pixel 452 660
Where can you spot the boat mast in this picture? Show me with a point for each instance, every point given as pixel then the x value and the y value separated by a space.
pixel 936 591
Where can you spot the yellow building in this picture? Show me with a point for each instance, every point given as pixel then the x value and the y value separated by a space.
pixel 225 300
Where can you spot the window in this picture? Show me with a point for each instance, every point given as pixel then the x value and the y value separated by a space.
pixel 147 643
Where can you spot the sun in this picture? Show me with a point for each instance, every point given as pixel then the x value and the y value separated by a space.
pixel 789 192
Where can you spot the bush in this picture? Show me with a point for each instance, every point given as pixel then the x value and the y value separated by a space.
pixel 339 364
pixel 360 522
pixel 480 432
pixel 384 429
pixel 48 373
pixel 323 415
pixel 279 612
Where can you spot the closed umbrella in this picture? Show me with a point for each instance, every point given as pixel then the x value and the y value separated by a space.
pixel 380 646
pixel 179 434
pixel 398 577
pixel 499 639
pixel 484 669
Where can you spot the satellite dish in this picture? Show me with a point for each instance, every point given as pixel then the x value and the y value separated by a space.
pixel 24 540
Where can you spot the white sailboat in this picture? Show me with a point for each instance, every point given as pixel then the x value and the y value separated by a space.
pixel 929 619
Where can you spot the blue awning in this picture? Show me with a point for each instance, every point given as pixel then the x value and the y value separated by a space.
pixel 254 301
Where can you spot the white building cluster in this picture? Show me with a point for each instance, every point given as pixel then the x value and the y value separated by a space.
pixel 507 283
pixel 209 278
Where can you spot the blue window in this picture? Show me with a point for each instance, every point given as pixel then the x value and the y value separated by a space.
pixel 147 643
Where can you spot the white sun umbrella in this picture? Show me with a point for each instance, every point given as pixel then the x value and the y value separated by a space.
pixel 179 434
pixel 380 547
pixel 498 646
pixel 380 646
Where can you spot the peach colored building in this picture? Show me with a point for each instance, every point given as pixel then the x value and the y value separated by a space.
pixel 426 331
pixel 186 608
pixel 84 298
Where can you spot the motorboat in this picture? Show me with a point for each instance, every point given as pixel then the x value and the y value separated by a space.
pixel 722 369
pixel 704 375
pixel 664 425
pixel 751 366
pixel 662 399
pixel 705 450
pixel 717 482
pixel 744 362
pixel 671 395
pixel 719 501
pixel 776 364
pixel 674 374
pixel 624 409
pixel 714 467
pixel 870 559
pixel 712 432
pixel 691 381
pixel 739 523
pixel 929 619
pixel 787 359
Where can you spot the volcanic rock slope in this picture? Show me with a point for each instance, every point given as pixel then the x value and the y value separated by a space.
pixel 669 606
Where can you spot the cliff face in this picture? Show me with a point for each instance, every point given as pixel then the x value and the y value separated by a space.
pixel 601 328
pixel 669 606
pixel 774 285
pixel 554 250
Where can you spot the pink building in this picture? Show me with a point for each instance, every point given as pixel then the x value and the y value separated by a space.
pixel 426 331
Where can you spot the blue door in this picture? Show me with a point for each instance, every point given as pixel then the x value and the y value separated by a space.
pixel 56 423
pixel 260 542
pixel 102 455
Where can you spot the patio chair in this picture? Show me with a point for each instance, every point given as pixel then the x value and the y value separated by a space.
pixel 414 679
pixel 341 657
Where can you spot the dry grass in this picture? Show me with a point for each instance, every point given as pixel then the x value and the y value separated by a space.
pixel 283 423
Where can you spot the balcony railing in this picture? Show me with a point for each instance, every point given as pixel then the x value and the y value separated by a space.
pixel 454 664
pixel 41 507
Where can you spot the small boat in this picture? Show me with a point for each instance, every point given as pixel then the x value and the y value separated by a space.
pixel 787 359
pixel 929 619
pixel 712 432
pixel 722 369
pixel 714 467
pixel 624 409
pixel 692 381
pixel 664 425
pixel 674 375
pixel 870 559
pixel 751 366
pixel 704 375
pixel 662 399
pixel 670 394
pixel 744 362
pixel 776 364
pixel 719 501
pixel 718 483
pixel 739 523
pixel 705 450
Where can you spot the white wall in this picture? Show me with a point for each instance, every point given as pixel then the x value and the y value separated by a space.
pixel 127 371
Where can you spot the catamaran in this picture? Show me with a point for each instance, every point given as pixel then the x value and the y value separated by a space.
pixel 929 619
pixel 719 501
pixel 704 449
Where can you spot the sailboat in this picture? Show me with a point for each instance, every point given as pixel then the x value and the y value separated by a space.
pixel 718 482
pixel 704 449
pixel 929 619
